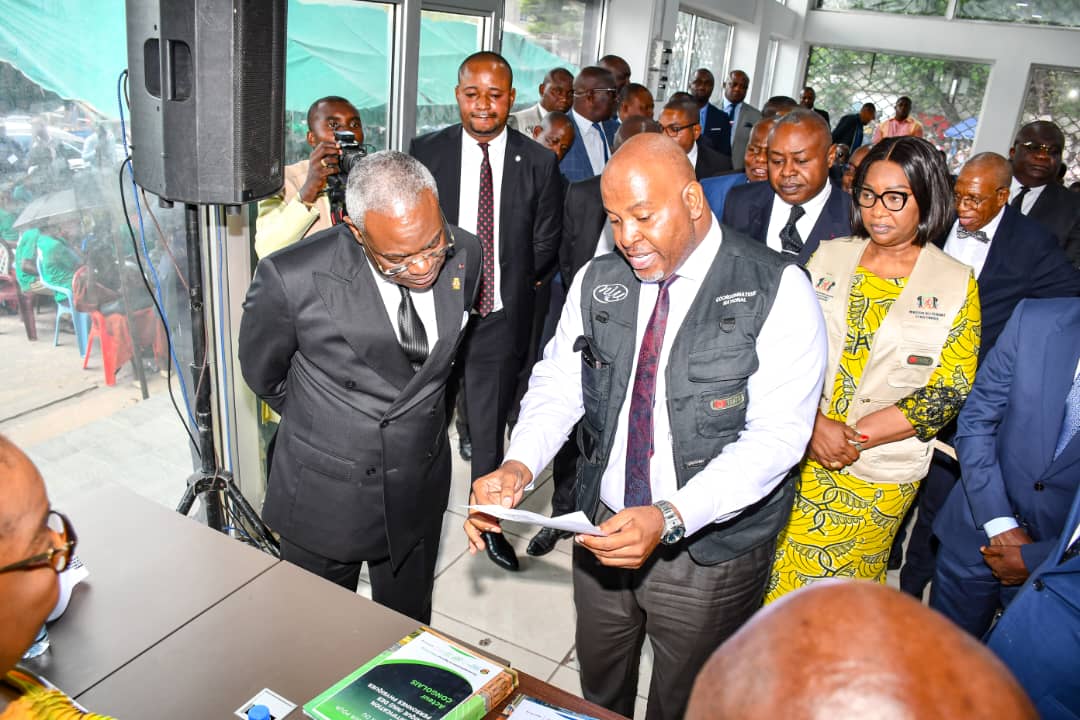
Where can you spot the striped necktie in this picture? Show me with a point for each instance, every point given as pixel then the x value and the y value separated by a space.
pixel 411 327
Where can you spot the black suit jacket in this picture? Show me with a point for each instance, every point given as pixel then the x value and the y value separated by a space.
pixel 848 131
pixel 1024 262
pixel 824 115
pixel 710 163
pixel 1059 212
pixel 530 212
pixel 583 221
pixel 748 207
pixel 716 132
pixel 361 464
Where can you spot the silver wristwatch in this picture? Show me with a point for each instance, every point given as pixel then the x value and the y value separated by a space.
pixel 673 526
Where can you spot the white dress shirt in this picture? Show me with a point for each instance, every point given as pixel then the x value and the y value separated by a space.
pixel 969 250
pixel 784 393
pixel 692 156
pixel 423 301
pixel 998 525
pixel 781 211
pixel 1029 200
pixel 606 243
pixel 469 194
pixel 594 140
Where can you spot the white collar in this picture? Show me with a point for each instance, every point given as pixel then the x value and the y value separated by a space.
pixel 693 155
pixel 814 205
pixel 496 144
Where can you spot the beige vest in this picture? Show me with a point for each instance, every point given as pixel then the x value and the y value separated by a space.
pixel 906 348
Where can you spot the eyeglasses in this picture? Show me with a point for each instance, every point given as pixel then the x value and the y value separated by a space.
pixel 1034 147
pixel 971 202
pixel 892 200
pixel 58 558
pixel 429 256
pixel 673 130
pixel 610 91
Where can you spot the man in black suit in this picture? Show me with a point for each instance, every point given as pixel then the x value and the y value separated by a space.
pixel 679 121
pixel 1036 158
pixel 715 123
pixel 586 233
pixel 494 180
pixel 798 207
pixel 350 334
pixel 1013 258
pixel 849 131
pixel 807 101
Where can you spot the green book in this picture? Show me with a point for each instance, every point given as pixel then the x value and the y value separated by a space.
pixel 423 676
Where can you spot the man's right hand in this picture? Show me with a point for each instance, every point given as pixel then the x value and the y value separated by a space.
pixel 323 163
pixel 1013 536
pixel 506 487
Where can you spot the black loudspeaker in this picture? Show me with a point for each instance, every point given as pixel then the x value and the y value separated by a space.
pixel 206 81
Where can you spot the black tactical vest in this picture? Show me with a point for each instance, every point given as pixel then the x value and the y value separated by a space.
pixel 713 355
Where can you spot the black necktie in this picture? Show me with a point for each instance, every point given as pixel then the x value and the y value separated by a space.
pixel 789 235
pixel 413 337
pixel 1018 201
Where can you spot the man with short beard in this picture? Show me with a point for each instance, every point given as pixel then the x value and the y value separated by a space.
pixel 556 95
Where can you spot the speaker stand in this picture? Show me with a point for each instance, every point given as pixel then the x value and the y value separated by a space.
pixel 225 506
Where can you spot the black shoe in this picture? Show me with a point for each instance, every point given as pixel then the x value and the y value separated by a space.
pixel 500 551
pixel 544 541
pixel 465 448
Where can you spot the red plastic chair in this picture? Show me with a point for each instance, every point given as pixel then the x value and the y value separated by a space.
pixel 112 330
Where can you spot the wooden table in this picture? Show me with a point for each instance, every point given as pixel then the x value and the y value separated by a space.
pixel 151 571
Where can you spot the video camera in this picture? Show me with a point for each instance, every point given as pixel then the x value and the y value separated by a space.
pixel 352 152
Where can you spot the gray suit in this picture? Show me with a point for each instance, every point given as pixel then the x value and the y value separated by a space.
pixel 361 467
pixel 740 133
pixel 525 120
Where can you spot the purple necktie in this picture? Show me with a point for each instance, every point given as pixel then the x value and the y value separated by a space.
pixel 485 233
pixel 639 438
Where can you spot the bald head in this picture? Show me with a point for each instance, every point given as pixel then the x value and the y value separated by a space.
pixel 631 126
pixel 853 649
pixel 981 190
pixel 801 152
pixel 991 166
pixel 655 205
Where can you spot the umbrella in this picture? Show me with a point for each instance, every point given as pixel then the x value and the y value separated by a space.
pixel 964 129
pixel 46 208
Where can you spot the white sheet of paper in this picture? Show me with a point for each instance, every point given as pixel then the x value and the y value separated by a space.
pixel 575 522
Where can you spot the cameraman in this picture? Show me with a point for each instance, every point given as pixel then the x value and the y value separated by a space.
pixel 302 207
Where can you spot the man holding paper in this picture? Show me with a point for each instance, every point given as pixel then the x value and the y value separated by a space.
pixel 711 344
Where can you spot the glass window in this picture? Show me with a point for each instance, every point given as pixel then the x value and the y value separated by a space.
pixel 1043 12
pixel 904 7
pixel 946 95
pixel 1054 94
pixel 445 40
pixel 699 42
pixel 337 48
pixel 567 30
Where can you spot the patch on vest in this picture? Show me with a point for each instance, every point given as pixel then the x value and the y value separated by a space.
pixel 728 403
pixel 735 297
pixel 926 308
pixel 610 292
pixel 920 360
pixel 824 286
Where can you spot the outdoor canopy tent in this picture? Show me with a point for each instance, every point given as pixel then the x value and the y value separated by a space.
pixel 78 50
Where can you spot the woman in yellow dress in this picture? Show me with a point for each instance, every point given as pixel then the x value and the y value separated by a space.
pixel 903 321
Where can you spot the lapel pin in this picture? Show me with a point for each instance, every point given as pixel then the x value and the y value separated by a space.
pixel 456 283
pixel 517 158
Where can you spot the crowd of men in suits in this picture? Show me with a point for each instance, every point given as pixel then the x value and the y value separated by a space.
pixel 446 277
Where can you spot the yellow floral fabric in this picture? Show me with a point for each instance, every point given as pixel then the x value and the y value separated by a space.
pixel 39 702
pixel 840 524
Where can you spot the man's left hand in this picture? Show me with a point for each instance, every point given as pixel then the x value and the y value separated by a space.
pixel 1006 563
pixel 632 535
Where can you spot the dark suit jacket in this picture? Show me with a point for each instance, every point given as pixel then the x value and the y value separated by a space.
pixel 748 207
pixel 824 116
pixel 717 188
pixel 575 164
pixel 1059 212
pixel 1007 433
pixel 1024 262
pixel 361 464
pixel 530 212
pixel 710 162
pixel 716 132
pixel 849 131
pixel 1036 636
pixel 583 221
